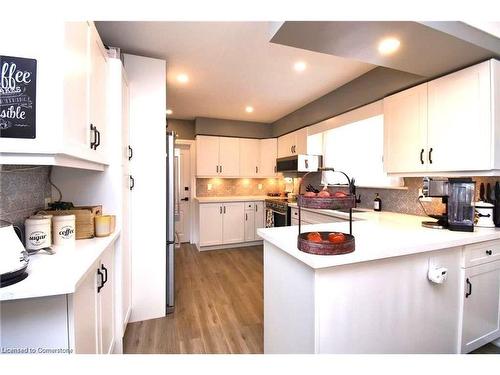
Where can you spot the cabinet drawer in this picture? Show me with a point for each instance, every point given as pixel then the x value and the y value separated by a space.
pixel 313 218
pixel 480 253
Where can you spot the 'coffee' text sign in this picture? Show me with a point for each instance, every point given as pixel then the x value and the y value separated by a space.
pixel 17 97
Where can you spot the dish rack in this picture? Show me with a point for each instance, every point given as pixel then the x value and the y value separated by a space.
pixel 325 247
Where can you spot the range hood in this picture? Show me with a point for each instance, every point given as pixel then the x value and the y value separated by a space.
pixel 299 163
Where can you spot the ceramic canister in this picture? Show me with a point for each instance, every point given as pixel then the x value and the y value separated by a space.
pixel 38 234
pixel 103 225
pixel 63 230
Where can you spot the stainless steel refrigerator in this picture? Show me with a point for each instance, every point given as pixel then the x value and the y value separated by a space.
pixel 171 213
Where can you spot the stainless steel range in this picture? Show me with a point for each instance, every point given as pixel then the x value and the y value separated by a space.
pixel 277 212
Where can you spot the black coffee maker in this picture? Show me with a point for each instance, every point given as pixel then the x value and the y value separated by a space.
pixel 458 196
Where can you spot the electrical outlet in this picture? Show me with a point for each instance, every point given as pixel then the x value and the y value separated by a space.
pixel 47 202
pixel 259 186
pixel 209 187
pixel 423 199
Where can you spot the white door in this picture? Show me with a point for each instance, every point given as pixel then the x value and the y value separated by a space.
pixel 229 157
pixel 76 121
pixel 210 223
pixel 249 225
pixel 233 223
pixel 183 192
pixel 459 126
pixel 405 131
pixel 268 153
pixel 300 142
pixel 97 91
pixel 207 155
pixel 481 314
pixel 249 157
pixel 259 217
pixel 106 302
pixel 85 319
pixel 127 155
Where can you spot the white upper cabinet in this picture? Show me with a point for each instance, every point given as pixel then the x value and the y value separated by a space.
pixel 249 157
pixel 450 124
pixel 207 156
pixel 235 157
pixel 405 130
pixel 268 154
pixel 71 93
pixel 294 143
pixel 229 157
pixel 459 123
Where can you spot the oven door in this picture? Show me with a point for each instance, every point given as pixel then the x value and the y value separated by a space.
pixel 280 219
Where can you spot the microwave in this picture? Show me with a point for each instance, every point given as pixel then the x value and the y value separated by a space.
pixel 299 163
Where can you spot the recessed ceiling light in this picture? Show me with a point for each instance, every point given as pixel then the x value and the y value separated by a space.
pixel 299 66
pixel 182 78
pixel 249 109
pixel 388 46
pixel 169 112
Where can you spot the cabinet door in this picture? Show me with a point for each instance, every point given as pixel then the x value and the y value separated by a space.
pixel 268 152
pixel 106 303
pixel 481 313
pixel 405 131
pixel 85 314
pixel 207 156
pixel 249 225
pixel 459 125
pixel 249 157
pixel 233 224
pixel 229 157
pixel 210 224
pixel 97 90
pixel 285 145
pixel 76 121
pixel 300 141
pixel 259 218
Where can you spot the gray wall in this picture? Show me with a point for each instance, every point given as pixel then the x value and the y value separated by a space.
pixel 369 87
pixel 184 128
pixel 232 128
pixel 23 190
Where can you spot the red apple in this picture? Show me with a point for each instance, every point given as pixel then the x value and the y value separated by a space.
pixel 336 237
pixel 314 237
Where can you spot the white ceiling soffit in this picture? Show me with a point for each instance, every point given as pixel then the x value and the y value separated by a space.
pixel 424 50
pixel 232 65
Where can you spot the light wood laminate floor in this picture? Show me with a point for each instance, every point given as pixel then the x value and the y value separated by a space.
pixel 219 306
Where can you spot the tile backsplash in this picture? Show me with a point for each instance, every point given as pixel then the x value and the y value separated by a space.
pixel 394 200
pixel 23 190
pixel 237 186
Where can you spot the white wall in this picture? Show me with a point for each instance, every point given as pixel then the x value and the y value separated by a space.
pixel 147 80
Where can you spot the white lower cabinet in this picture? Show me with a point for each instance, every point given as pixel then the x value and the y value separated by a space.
pixel 480 309
pixel 226 223
pixel 254 219
pixel 81 322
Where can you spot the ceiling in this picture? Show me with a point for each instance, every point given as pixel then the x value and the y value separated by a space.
pixel 232 65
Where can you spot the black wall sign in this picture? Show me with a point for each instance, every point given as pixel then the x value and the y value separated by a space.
pixel 17 97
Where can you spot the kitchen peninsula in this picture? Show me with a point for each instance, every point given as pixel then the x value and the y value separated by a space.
pixel 379 299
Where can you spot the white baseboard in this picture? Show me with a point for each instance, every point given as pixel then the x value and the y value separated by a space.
pixel 228 246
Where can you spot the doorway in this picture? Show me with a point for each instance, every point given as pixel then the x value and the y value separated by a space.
pixel 183 192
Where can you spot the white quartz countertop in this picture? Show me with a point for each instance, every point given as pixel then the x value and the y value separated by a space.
pixel 378 235
pixel 60 273
pixel 232 198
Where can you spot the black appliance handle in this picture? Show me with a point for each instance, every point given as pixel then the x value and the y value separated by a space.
pixel 99 287
pixel 422 156
pixel 130 152
pixel 469 291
